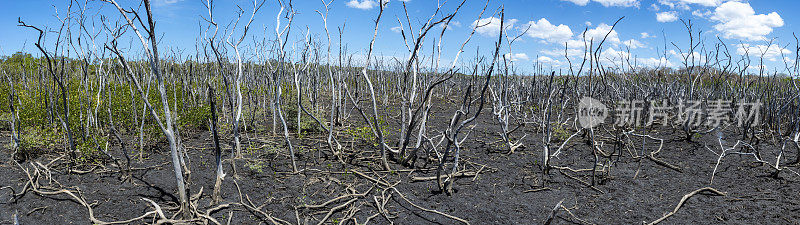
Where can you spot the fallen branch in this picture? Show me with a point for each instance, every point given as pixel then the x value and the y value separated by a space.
pixel 664 164
pixel 683 200
pixel 458 174
pixel 553 213
pixel 429 210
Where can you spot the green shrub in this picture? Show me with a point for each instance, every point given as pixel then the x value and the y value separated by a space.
pixel 37 140
pixel 560 133
pixel 195 118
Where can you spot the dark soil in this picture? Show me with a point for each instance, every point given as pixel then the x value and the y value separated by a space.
pixel 632 191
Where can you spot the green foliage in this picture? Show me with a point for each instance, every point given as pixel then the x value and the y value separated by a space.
pixel 363 134
pixel 256 166
pixel 89 149
pixel 366 135
pixel 195 117
pixel 560 133
pixel 37 140
pixel 290 110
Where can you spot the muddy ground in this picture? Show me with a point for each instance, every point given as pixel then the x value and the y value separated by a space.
pixel 509 189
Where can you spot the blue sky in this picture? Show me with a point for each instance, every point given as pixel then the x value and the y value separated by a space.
pixel 742 25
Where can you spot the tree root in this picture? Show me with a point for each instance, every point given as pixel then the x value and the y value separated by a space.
pixel 75 195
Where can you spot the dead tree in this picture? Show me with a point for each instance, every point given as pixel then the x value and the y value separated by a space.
pixel 460 119
pixel 59 77
pixel 238 81
pixel 166 124
pixel 282 35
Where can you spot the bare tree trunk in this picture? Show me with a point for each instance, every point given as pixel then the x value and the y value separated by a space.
pixel 217 150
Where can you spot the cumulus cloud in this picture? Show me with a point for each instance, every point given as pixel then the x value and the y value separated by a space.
pixel 620 3
pixel 666 17
pixel 707 3
pixel 607 3
pixel 655 62
pixel 695 57
pixel 559 53
pixel 362 4
pixel 655 7
pixel 575 47
pixel 547 60
pixel 598 33
pixel 647 35
pixel 771 53
pixel 543 29
pixel 613 57
pixel 578 2
pixel 634 44
pixel 684 4
pixel 516 56
pixel 702 13
pixel 491 26
pixel 738 20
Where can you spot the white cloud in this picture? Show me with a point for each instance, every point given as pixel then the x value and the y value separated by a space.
pixel 516 56
pixel 621 3
pixel 608 3
pixel 755 68
pixel 362 4
pixel 578 2
pixel 669 3
pixel 547 60
pixel 702 13
pixel 634 44
pixel 666 17
pixel 612 57
pixel 576 46
pixel 655 62
pixel 164 3
pixel 695 57
pixel 396 29
pixel 543 29
pixel 574 43
pixel 647 35
pixel 655 7
pixel 612 53
pixel 598 33
pixel 491 26
pixel 571 52
pixel 771 53
pixel 737 20
pixel 587 23
pixel 707 3
pixel 452 24
pixel 684 4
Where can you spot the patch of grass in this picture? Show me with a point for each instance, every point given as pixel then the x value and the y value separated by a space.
pixel 256 166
